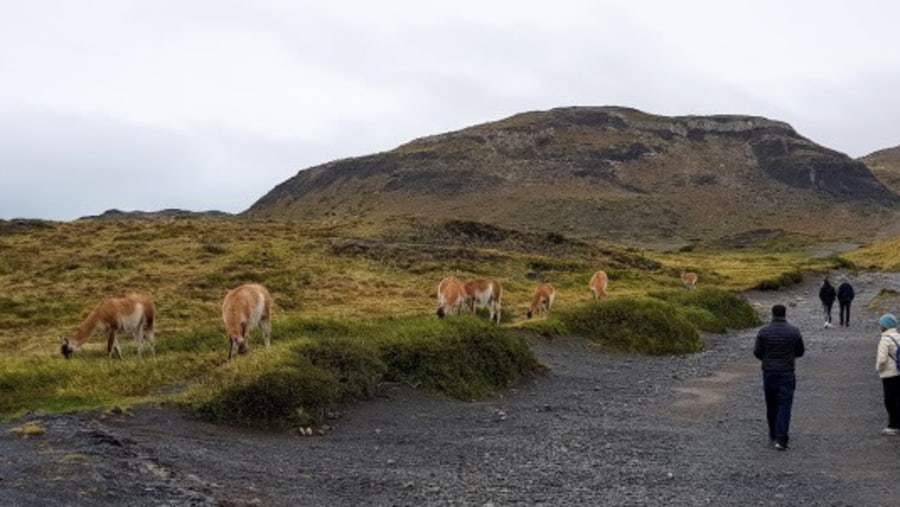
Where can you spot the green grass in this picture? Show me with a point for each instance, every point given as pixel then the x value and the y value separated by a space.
pixel 462 358
pixel 633 324
pixel 712 310
pixel 353 306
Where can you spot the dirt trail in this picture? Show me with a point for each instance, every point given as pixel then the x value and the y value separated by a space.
pixel 599 429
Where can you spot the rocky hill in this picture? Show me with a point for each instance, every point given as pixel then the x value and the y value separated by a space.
pixel 885 165
pixel 605 172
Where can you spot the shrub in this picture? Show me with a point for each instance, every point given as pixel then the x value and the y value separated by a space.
pixel 271 398
pixel 784 280
pixel 642 325
pixel 354 364
pixel 724 310
pixel 461 357
pixel 702 319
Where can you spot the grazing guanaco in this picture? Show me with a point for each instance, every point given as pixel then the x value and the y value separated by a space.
pixel 598 284
pixel 689 278
pixel 485 293
pixel 542 300
pixel 130 314
pixel 246 308
pixel 451 296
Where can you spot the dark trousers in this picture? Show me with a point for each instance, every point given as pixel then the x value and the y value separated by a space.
pixel 779 389
pixel 845 312
pixel 892 400
pixel 827 309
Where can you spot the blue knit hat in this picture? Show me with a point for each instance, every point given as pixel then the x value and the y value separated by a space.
pixel 888 321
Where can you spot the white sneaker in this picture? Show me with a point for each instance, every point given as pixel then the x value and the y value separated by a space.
pixel 827 325
pixel 890 431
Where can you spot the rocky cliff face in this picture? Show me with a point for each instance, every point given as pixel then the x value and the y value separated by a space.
pixel 604 172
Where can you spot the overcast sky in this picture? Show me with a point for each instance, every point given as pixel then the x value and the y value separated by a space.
pixel 208 104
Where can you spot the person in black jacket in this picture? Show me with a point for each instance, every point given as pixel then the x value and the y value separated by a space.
pixel 827 296
pixel 777 345
pixel 845 296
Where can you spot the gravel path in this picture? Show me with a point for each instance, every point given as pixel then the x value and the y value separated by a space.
pixel 600 429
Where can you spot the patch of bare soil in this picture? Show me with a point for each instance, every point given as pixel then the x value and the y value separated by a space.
pixel 599 429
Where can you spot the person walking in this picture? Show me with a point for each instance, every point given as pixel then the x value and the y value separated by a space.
pixel 778 344
pixel 845 296
pixel 827 295
pixel 886 366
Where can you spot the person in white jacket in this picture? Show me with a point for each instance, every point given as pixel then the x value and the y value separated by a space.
pixel 886 366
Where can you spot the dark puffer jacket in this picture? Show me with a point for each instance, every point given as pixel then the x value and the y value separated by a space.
pixel 778 344
pixel 827 294
pixel 845 292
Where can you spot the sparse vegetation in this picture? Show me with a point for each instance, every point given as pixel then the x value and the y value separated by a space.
pixel 30 429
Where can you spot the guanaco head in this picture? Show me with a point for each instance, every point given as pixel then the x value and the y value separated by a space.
pixel 530 314
pixel 67 349
pixel 441 312
pixel 241 344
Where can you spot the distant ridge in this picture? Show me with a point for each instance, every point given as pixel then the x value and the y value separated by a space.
pixel 166 214
pixel 604 172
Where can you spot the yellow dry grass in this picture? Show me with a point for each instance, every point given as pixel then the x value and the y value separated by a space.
pixel 52 276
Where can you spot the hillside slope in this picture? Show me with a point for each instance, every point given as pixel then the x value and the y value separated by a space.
pixel 885 165
pixel 604 172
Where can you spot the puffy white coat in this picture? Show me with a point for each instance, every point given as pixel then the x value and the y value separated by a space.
pixel 887 351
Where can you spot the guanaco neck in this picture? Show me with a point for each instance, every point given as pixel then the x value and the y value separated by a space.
pixel 87 328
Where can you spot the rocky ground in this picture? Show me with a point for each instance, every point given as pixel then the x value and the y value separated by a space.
pixel 599 429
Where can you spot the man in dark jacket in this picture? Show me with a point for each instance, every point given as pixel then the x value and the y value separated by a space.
pixel 845 296
pixel 777 345
pixel 827 296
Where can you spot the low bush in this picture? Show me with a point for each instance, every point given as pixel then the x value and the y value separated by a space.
pixel 633 324
pixel 271 397
pixel 462 357
pixel 713 310
pixel 784 280
pixel 352 362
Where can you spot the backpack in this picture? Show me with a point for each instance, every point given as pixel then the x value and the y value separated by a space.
pixel 896 356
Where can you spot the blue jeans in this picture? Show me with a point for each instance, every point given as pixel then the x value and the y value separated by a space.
pixel 779 389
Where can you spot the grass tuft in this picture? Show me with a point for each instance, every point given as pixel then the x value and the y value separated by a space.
pixel 30 429
pixel 271 397
pixel 353 363
pixel 634 324
pixel 463 358
pixel 713 310
pixel 784 280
